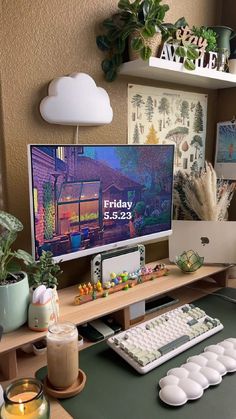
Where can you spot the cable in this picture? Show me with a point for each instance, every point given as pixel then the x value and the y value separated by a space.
pixel 76 135
pixel 225 297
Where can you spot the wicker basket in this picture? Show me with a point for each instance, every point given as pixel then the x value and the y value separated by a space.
pixel 154 43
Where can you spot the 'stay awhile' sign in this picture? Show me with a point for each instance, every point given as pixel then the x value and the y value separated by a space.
pixel 185 37
pixel 207 60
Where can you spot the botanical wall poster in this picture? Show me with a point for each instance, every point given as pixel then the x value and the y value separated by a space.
pixel 225 158
pixel 165 116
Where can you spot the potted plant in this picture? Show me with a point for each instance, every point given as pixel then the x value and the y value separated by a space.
pixel 224 36
pixel 44 272
pixel 209 35
pixel 142 20
pixel 14 286
pixel 189 52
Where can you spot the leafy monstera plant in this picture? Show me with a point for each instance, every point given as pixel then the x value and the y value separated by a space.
pixel 10 226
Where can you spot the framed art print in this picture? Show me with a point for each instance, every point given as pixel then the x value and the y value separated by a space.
pixel 225 156
pixel 166 116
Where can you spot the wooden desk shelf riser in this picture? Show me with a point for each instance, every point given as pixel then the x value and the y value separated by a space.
pixel 117 303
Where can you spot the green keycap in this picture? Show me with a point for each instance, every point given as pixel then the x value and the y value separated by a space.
pixel 185 309
pixel 192 322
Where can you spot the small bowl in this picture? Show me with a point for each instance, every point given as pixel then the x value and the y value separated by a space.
pixel 27 348
pixel 40 347
pixel 189 261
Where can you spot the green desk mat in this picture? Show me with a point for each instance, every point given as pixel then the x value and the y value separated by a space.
pixel 114 390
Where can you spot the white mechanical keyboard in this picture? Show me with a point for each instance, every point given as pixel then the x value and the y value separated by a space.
pixel 150 344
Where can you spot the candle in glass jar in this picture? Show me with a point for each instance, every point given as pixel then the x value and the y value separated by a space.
pixel 25 398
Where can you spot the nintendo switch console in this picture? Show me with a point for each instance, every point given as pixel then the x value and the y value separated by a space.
pixel 129 259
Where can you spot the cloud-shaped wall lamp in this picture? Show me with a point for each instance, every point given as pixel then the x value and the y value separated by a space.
pixel 76 100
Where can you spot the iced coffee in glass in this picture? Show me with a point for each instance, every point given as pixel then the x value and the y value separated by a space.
pixel 62 355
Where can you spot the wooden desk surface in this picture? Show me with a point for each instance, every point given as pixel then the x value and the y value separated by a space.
pixel 29 364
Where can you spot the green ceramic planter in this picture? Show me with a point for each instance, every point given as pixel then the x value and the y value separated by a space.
pixel 224 36
pixel 14 300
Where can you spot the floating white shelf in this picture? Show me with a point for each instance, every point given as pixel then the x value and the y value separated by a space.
pixel 172 72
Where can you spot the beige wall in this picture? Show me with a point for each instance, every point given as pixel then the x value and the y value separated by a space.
pixel 44 39
pixel 228 16
pixel 1 123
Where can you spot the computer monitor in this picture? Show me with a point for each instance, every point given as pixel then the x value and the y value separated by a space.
pixel 86 199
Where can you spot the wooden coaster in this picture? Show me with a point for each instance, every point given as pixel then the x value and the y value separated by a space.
pixel 71 391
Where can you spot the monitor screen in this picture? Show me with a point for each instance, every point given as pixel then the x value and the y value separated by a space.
pixel 86 199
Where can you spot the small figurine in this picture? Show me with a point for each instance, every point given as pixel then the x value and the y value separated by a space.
pixel 115 281
pixel 107 285
pixel 159 267
pixel 133 275
pixel 124 276
pixel 99 286
pixel 94 294
pixel 81 290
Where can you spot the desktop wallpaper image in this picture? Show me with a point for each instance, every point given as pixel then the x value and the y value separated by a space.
pixel 89 196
